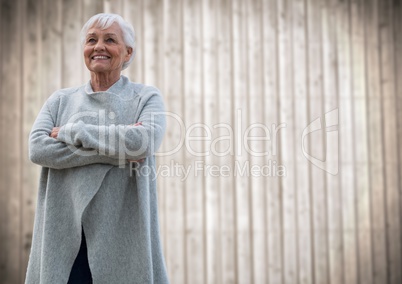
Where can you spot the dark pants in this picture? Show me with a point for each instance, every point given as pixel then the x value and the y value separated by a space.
pixel 80 272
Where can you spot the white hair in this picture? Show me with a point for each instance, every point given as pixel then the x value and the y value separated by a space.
pixel 104 21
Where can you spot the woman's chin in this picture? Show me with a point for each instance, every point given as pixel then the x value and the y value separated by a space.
pixel 100 69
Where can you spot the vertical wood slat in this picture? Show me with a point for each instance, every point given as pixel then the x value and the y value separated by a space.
pixel 3 218
pixel 302 167
pixel 244 265
pixel 72 57
pixel 173 82
pixel 225 96
pixel 361 165
pixel 212 218
pixel 151 41
pixel 271 116
pixel 3 196
pixel 287 143
pixel 397 16
pixel 192 82
pixel 31 103
pixel 133 14
pixel 334 195
pixel 346 135
pixel 52 57
pixel 375 144
pixel 316 142
pixel 11 163
pixel 390 142
pixel 113 6
pixel 88 9
pixel 258 134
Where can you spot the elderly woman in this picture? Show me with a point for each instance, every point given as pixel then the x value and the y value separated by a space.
pixel 96 219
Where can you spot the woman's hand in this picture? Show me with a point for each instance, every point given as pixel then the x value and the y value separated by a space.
pixel 55 132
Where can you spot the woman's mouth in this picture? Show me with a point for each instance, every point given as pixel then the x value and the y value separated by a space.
pixel 100 57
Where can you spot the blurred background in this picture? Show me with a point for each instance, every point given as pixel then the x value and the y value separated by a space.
pixel 281 161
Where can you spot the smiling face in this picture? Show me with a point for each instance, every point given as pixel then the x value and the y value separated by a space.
pixel 105 50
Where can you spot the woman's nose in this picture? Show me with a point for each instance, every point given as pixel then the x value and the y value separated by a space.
pixel 99 45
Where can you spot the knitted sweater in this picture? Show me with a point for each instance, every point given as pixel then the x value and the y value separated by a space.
pixel 86 182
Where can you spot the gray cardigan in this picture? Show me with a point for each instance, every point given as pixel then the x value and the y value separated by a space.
pixel 86 182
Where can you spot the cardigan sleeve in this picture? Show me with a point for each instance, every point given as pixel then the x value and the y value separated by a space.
pixel 49 152
pixel 123 142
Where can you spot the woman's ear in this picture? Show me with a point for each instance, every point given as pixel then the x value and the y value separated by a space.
pixel 129 53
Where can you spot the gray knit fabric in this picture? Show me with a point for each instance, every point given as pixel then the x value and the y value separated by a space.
pixel 86 181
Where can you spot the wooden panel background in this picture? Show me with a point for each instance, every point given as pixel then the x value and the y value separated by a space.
pixel 228 68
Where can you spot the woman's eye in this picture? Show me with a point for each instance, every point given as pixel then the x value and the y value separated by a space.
pixel 109 40
pixel 91 40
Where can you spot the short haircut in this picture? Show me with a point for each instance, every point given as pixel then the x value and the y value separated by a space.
pixel 104 21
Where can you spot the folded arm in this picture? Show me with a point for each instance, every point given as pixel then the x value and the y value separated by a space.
pixel 122 142
pixel 49 152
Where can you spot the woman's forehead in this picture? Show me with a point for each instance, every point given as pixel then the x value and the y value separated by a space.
pixel 114 29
